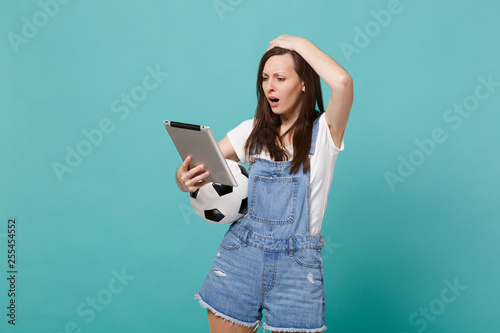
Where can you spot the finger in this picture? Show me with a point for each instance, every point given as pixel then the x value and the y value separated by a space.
pixel 197 186
pixel 198 179
pixel 276 42
pixel 188 176
pixel 185 164
pixel 191 173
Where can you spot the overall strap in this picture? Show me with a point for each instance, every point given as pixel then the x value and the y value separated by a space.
pixel 314 134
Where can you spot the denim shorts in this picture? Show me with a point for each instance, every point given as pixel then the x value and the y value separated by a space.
pixel 249 276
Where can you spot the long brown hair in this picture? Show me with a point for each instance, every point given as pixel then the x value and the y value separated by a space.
pixel 265 133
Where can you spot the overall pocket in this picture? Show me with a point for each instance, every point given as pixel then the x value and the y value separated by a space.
pixel 309 258
pixel 273 199
pixel 230 241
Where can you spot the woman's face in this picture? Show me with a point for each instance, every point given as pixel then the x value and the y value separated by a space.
pixel 282 85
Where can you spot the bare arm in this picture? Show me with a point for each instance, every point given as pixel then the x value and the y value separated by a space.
pixel 227 149
pixel 340 82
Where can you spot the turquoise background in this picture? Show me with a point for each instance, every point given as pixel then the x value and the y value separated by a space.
pixel 389 250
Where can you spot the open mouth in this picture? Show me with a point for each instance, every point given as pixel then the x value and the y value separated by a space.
pixel 273 101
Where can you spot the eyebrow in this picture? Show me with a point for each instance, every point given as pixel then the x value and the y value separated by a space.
pixel 275 74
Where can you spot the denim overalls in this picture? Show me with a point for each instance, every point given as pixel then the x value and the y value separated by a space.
pixel 268 260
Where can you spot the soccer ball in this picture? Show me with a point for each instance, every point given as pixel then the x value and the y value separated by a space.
pixel 222 204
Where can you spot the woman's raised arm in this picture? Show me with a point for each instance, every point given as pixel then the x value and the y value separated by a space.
pixel 340 82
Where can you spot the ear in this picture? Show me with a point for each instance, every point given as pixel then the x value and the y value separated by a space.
pixel 303 87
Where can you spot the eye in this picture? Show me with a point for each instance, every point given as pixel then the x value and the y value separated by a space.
pixel 281 79
pixel 264 78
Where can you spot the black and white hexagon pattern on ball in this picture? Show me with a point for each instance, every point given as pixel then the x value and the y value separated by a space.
pixel 243 170
pixel 194 194
pixel 214 215
pixel 243 207
pixel 222 189
pixel 222 204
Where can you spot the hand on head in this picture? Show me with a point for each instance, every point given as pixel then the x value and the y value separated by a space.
pixel 286 41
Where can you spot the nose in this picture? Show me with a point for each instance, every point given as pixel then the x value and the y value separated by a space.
pixel 270 85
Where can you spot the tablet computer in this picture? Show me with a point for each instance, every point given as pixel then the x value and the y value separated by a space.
pixel 199 142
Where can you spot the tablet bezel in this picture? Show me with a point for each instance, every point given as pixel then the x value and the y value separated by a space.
pixel 199 142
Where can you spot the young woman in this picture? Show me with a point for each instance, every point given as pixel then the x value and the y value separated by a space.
pixel 271 258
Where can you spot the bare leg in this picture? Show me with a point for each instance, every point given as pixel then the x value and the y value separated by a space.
pixel 220 325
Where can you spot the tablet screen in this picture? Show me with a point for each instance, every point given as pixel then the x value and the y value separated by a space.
pixel 199 142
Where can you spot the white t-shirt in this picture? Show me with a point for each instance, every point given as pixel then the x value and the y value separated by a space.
pixel 322 165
